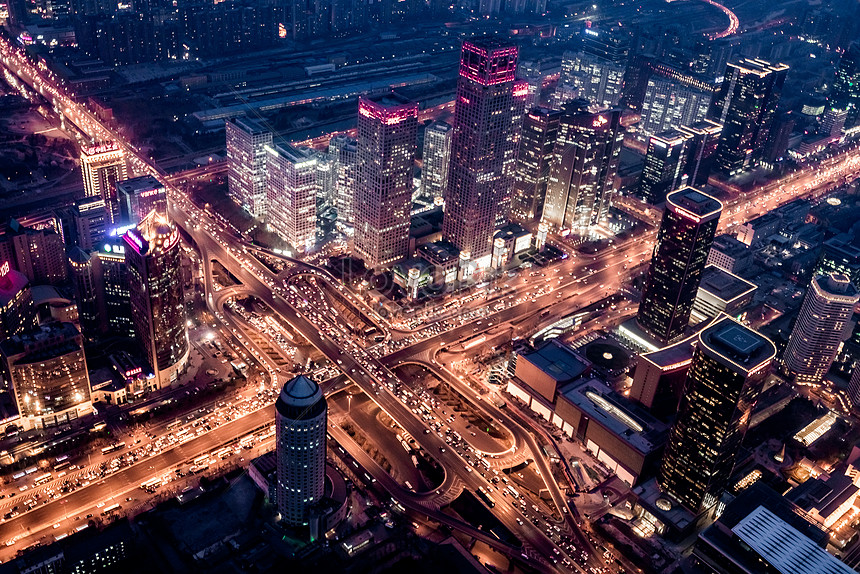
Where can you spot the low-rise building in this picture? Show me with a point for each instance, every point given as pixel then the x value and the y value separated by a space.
pixel 730 253
pixel 721 292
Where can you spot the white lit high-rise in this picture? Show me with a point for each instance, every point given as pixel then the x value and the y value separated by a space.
pixel 343 152
pixel 300 436
pixel 292 195
pixel 102 166
pixel 387 129
pixel 820 327
pixel 436 155
pixel 246 163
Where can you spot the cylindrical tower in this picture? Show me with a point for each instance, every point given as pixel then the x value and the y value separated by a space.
pixel 300 425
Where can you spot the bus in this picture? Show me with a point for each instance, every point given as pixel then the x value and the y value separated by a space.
pixel 151 485
pixel 201 460
pixel 110 509
pixel 61 465
pixel 485 463
pixel 513 491
pixel 247 442
pixel 174 424
pixel 113 448
pixel 45 478
pixel 482 494
pixel 18 475
pixel 61 458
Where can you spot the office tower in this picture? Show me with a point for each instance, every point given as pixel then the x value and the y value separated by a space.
pixel 17 311
pixel 152 255
pixel 113 277
pixel 596 72
pixel 680 253
pixel 746 106
pixel 343 150
pixel 540 131
pixel 820 327
pixel 85 280
pixel 46 371
pixel 845 93
pixel 246 163
pixel 387 129
pixel 300 436
pixel 292 195
pixel 102 165
pixel 89 223
pixel 665 161
pixel 779 137
pixel 833 121
pixel 138 196
pixel 702 139
pixel 436 155
pixel 668 104
pixel 585 161
pixel 35 247
pixel 487 119
pixel 326 180
pixel 729 366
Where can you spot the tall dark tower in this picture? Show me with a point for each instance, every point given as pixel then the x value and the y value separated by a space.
pixel 729 366
pixel 487 119
pixel 540 130
pixel 846 87
pixel 680 253
pixel 746 106
pixel 152 254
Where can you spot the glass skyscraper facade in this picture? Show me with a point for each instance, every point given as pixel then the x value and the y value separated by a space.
pixel 680 254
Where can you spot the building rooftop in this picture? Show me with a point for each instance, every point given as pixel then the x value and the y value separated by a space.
pixel 730 245
pixel 290 153
pixel 674 356
pixel 836 285
pixel 511 231
pixel 558 361
pixel 723 285
pixel 250 125
pixel 439 251
pixel 824 495
pixel 390 100
pixel 783 547
pixel 736 345
pixel 50 339
pixel 691 200
pixel 626 420
pixel 137 185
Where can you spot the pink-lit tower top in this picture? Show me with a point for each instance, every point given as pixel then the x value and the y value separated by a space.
pixel 487 122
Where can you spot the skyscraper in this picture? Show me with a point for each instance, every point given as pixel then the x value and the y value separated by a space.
pixel 540 131
pixel 102 166
pixel 91 312
pixel 820 327
pixel 670 103
pixel 729 366
pixel 595 72
pixel 487 119
pixel 46 370
pixel 387 129
pixel 746 106
pixel 680 254
pixel 585 161
pixel 138 196
pixel 36 248
pixel 701 146
pixel 845 94
pixel 246 163
pixel 300 437
pixel 343 150
pixel 113 276
pixel 437 155
pixel 665 161
pixel 152 254
pixel 292 195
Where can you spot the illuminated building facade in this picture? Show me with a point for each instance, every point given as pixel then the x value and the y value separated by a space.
pixel 138 196
pixel 726 375
pixel 36 247
pixel 436 156
pixel 112 273
pixel 85 279
pixel 487 120
pixel 680 254
pixel 387 129
pixel 300 442
pixel 669 104
pixel 152 254
pixel 585 161
pixel 102 166
pixel 344 152
pixel 702 139
pixel 246 163
pixel 820 327
pixel 539 134
pixel 746 106
pixel 596 71
pixel 665 161
pixel 46 371
pixel 292 195
pixel 89 222
pixel 17 311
